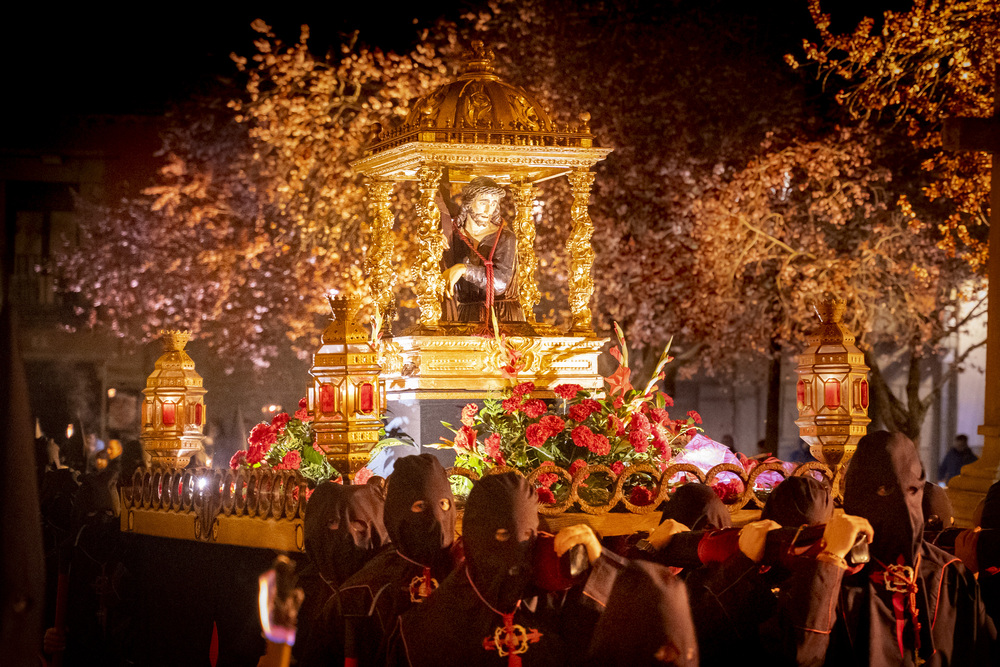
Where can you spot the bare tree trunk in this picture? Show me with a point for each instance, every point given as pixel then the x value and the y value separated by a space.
pixel 773 400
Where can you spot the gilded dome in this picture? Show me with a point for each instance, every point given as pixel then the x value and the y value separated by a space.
pixel 480 108
pixel 478 98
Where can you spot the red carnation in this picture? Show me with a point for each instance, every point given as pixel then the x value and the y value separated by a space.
pixel 239 458
pixel 617 467
pixel 511 405
pixel 552 424
pixel 599 445
pixel 568 391
pixel 616 425
pixel 692 431
pixel 523 389
pixel 303 403
pixel 302 414
pixel 658 415
pixel 263 434
pixel 280 420
pixel 575 466
pixel 619 401
pixel 695 416
pixel 256 454
pixel 534 408
pixel 581 436
pixel 661 440
pixel 536 435
pixel 362 476
pixel 667 401
pixel 291 461
pixel 545 496
pixel 465 438
pixel 584 409
pixel 493 452
pixel 640 496
pixel 469 414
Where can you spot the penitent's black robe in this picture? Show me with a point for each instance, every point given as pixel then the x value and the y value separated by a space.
pixel 828 616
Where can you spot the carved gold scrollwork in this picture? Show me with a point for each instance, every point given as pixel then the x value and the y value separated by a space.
pixel 378 262
pixel 429 283
pixel 527 262
pixel 581 281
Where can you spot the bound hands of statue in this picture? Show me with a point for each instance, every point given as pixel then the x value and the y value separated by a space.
pixel 451 276
pixel 569 537
pixel 753 538
pixel 666 530
pixel 840 536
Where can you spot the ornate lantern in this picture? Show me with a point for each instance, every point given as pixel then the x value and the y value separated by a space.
pixel 832 391
pixel 347 398
pixel 173 412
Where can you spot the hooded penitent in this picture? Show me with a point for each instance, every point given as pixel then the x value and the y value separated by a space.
pixel 938 512
pixel 647 621
pixel 697 507
pixel 343 528
pixel 799 501
pixel 499 529
pixel 420 509
pixel 885 484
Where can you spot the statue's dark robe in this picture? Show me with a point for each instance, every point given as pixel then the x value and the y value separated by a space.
pixel 829 617
pixel 469 303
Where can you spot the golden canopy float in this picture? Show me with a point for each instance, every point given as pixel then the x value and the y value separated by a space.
pixel 347 396
pixel 173 410
pixel 832 390
pixel 478 127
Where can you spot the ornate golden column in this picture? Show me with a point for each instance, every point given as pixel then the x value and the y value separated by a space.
pixel 429 285
pixel 581 279
pixel 378 262
pixel 527 262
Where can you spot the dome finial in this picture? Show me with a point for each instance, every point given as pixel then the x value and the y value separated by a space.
pixel 479 59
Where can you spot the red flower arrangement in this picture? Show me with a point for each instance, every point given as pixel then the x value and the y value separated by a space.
pixel 625 426
pixel 286 443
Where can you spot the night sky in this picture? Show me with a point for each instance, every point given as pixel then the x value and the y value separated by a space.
pixel 93 60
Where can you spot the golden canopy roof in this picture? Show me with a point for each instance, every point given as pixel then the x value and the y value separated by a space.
pixel 480 125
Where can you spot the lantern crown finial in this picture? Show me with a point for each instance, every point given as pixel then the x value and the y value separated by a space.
pixel 830 310
pixel 174 340
pixel 479 61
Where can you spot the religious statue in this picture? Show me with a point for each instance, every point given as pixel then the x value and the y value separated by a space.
pixel 481 262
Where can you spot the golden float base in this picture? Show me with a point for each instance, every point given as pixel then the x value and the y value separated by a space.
pixel 472 367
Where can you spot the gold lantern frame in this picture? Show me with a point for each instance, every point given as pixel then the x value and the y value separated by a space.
pixel 173 408
pixel 479 125
pixel 832 392
pixel 347 396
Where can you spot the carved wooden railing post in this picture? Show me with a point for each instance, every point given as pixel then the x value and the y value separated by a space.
pixel 581 280
pixel 378 262
pixel 527 262
pixel 429 282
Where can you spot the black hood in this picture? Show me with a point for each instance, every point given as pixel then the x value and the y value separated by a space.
pixel 420 509
pixel 799 501
pixel 647 621
pixel 938 512
pixel 697 507
pixel 343 528
pixel 885 484
pixel 499 530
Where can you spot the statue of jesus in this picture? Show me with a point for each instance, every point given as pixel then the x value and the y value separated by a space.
pixel 482 259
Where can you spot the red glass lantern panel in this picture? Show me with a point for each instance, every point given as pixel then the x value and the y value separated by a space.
pixel 169 416
pixel 197 414
pixel 831 394
pixel 327 399
pixel 800 393
pixel 366 398
pixel 864 394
